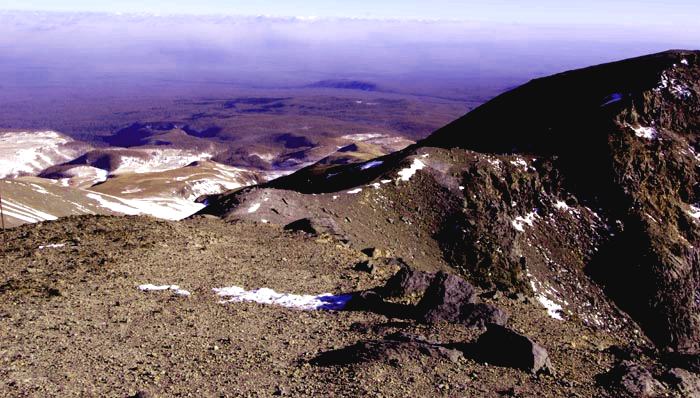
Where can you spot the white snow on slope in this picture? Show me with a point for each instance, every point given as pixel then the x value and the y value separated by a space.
pixel 649 133
pixel 158 160
pixel 407 173
pixel 355 191
pixel 254 208
pixel 52 246
pixel 25 213
pixel 155 288
pixel 676 88
pixel 371 164
pixel 83 176
pixel 520 222
pixel 561 205
pixel 165 208
pixel 27 153
pixel 362 136
pixel 694 211
pixel 554 310
pixel 519 162
pixel 235 294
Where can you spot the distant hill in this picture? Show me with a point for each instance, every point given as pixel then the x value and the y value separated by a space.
pixel 345 84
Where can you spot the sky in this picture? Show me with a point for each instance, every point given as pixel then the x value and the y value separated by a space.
pixel 675 14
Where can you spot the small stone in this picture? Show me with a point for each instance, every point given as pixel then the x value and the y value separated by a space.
pixel 279 391
pixel 364 266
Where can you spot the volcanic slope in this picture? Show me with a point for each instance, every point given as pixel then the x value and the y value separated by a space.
pixel 78 319
pixel 572 188
pixel 170 194
pixel 567 205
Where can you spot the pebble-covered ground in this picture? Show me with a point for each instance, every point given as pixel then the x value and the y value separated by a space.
pixel 73 320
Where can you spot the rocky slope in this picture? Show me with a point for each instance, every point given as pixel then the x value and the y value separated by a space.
pixel 88 307
pixel 579 189
pixel 542 245
pixel 27 153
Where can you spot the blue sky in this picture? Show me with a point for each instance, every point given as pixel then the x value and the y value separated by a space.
pixel 639 13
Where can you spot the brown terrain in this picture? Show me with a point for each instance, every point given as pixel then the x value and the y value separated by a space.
pixel 544 245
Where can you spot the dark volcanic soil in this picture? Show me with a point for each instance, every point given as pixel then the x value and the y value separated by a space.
pixel 74 322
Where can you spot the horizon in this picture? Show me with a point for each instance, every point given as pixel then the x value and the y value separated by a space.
pixel 595 12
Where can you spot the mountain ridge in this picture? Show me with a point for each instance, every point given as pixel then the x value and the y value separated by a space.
pixel 544 169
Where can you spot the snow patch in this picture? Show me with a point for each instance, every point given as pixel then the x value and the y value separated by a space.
pixel 158 160
pixel 25 213
pixel 554 310
pixel 520 222
pixel 253 208
pixel 355 191
pixel 131 190
pixel 362 137
pixel 407 173
pixel 27 153
pixel 157 288
pixel 684 61
pixel 676 88
pixel 519 162
pixel 611 99
pixel 326 301
pixel 561 205
pixel 159 207
pixel 373 163
pixel 649 133
pixel 52 246
pixel 694 212
pixel 494 162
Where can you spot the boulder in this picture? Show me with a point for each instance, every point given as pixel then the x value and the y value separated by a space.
pixel 505 347
pixel 445 299
pixel 481 314
pixel 686 383
pixel 630 379
pixel 406 282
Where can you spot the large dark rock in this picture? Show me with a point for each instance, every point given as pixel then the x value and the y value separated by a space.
pixel 629 379
pixel 482 314
pixel 504 347
pixel 686 361
pixel 406 282
pixel 445 299
pixel 686 383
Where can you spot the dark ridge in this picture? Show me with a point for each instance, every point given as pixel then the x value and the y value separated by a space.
pixel 345 85
pixel 138 133
pixel 292 141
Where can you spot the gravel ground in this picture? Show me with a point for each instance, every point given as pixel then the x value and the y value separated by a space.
pixel 74 323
